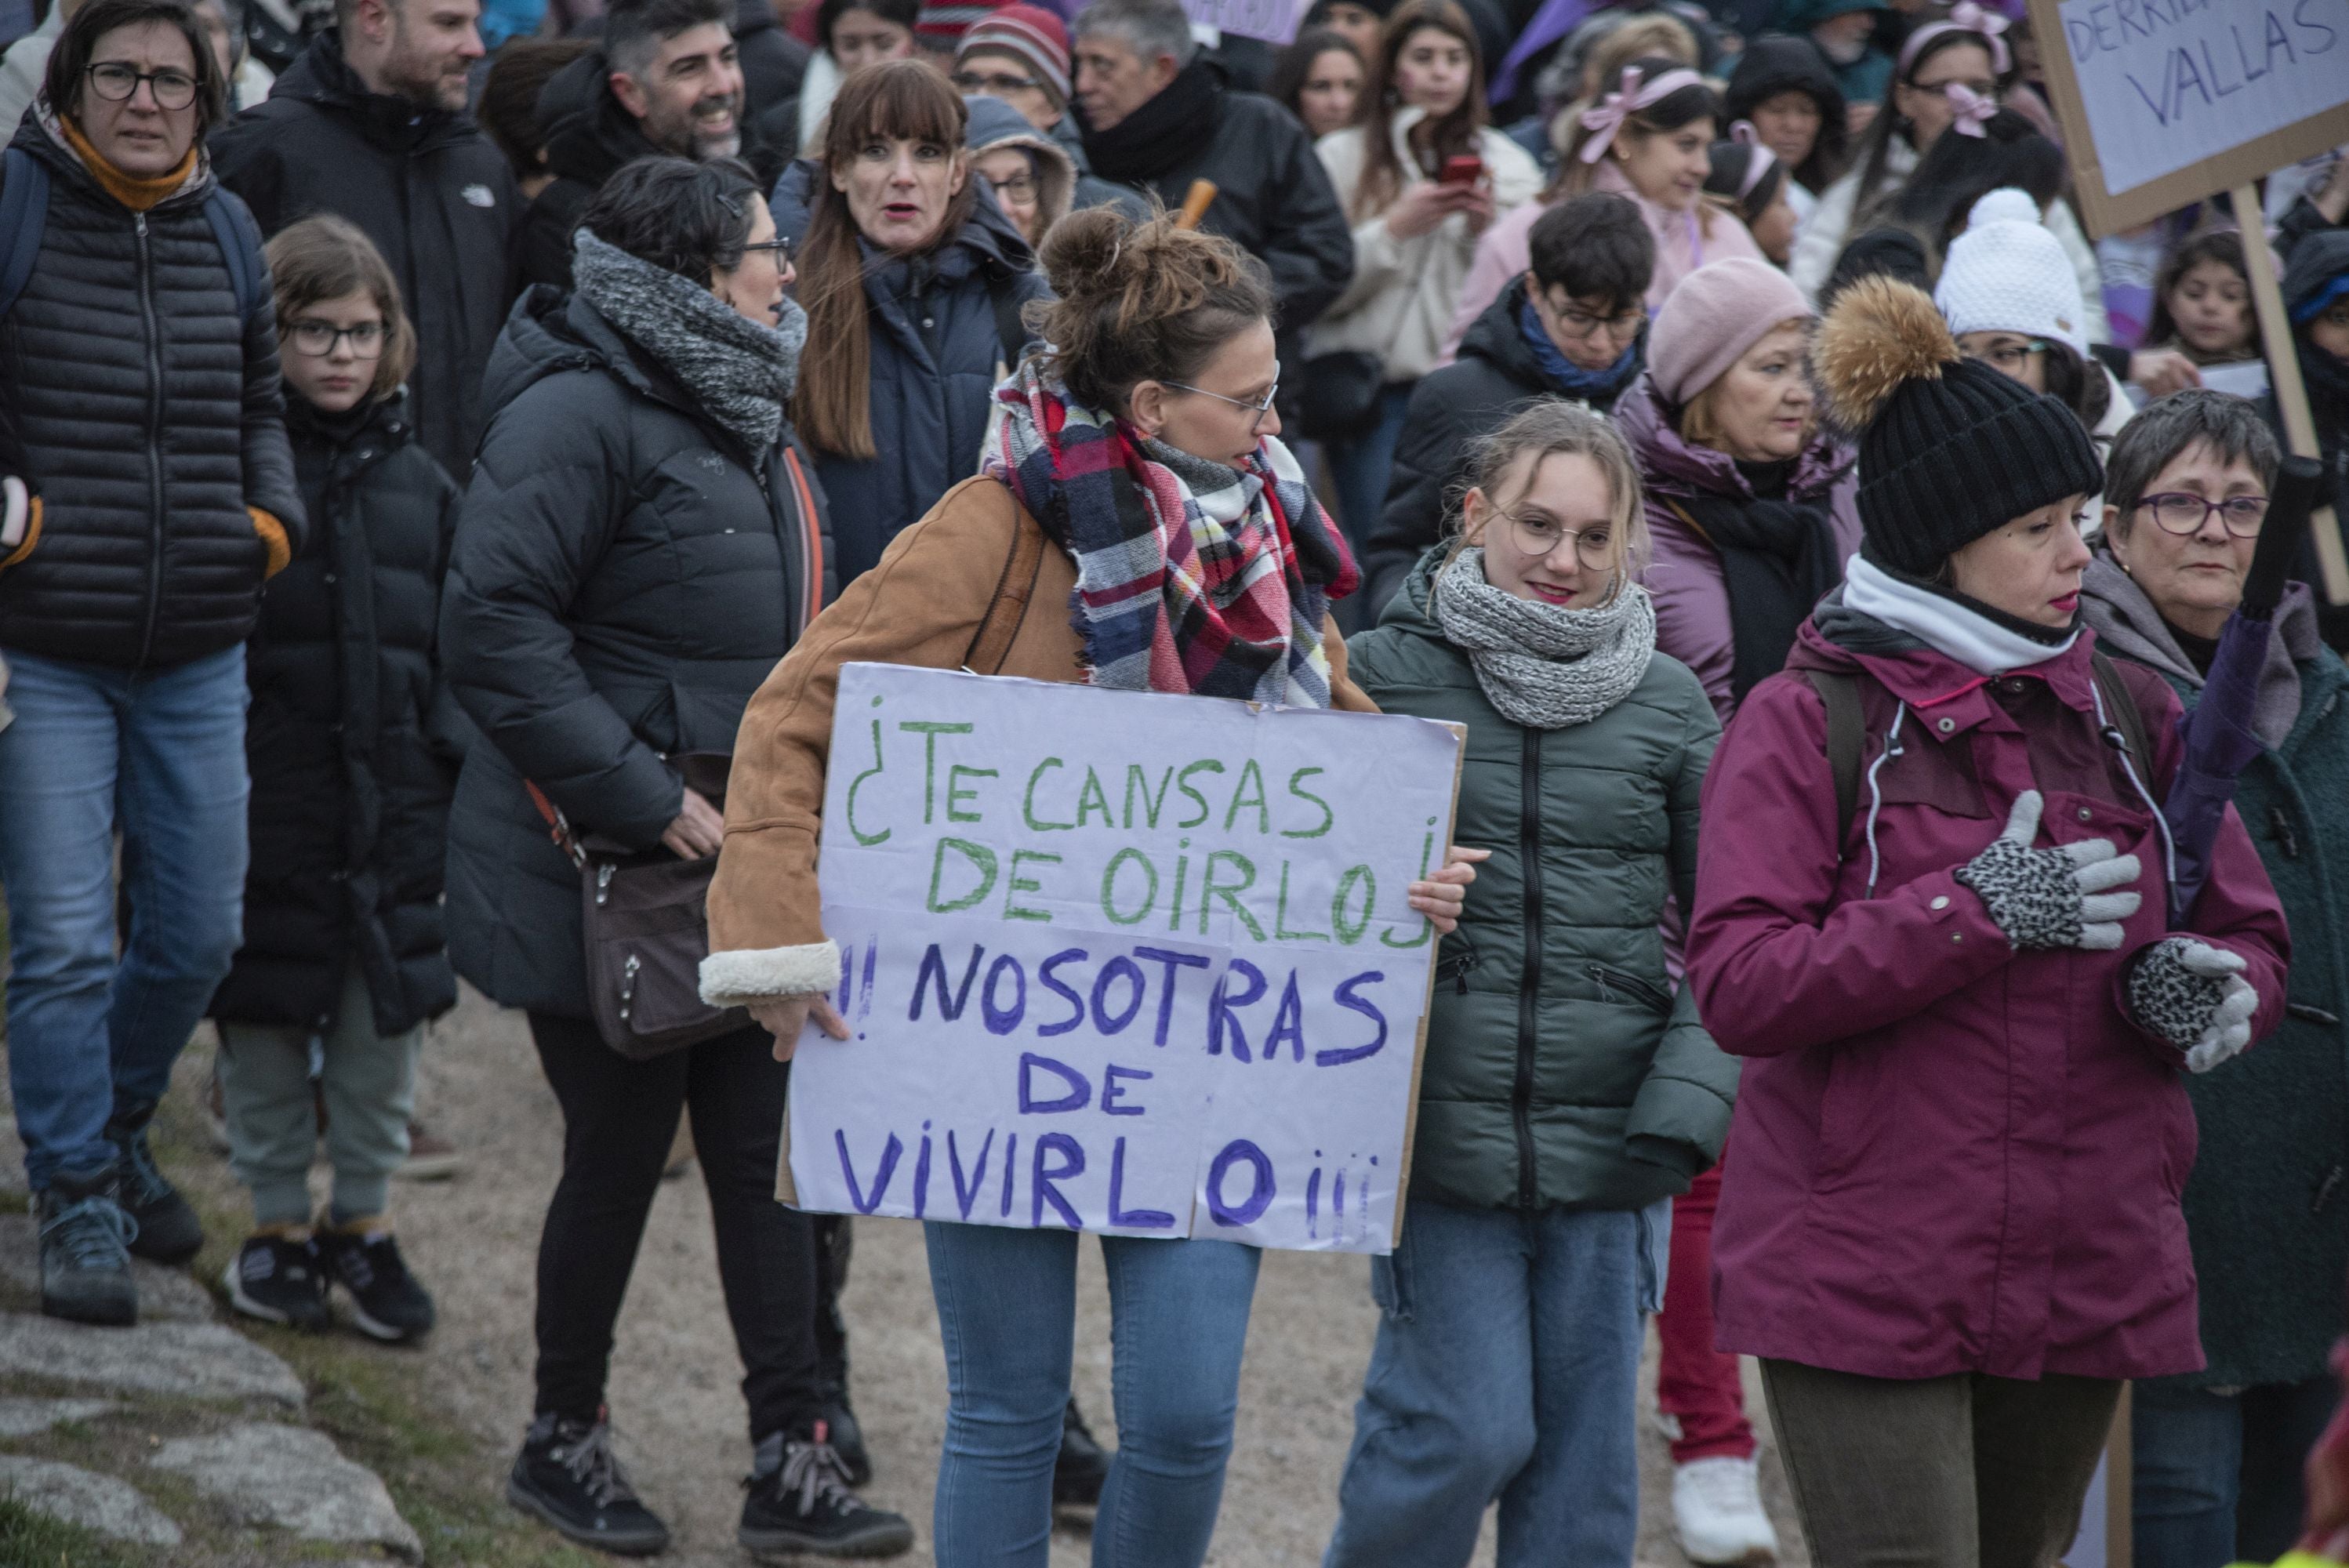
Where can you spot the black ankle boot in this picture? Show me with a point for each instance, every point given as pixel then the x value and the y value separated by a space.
pixel 168 1232
pixel 566 1475
pixel 1082 1467
pixel 797 1501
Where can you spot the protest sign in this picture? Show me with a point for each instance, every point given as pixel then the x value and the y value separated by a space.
pixel 2165 102
pixel 1120 962
pixel 1274 21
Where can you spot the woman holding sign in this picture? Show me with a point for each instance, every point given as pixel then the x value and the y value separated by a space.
pixel 1138 464
pixel 1939 933
pixel 1567 1095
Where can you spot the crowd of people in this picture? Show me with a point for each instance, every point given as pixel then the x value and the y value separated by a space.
pixel 448 451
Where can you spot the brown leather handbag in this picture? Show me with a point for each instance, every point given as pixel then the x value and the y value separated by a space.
pixel 645 922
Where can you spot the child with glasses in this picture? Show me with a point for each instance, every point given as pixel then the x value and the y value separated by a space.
pixel 343 959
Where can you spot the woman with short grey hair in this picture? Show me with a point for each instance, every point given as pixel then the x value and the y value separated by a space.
pixel 2218 1451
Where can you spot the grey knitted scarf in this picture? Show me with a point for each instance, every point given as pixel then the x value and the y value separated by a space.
pixel 1544 666
pixel 741 371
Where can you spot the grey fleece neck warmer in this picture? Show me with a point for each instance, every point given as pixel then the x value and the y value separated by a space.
pixel 740 371
pixel 2127 622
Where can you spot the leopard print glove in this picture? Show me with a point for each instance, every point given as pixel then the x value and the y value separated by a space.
pixel 2060 897
pixel 2193 995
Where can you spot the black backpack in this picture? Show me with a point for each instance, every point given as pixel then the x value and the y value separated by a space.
pixel 25 215
pixel 1848 729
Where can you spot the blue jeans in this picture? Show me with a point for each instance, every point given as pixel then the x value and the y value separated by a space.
pixel 1359 466
pixel 1505 1364
pixel 159 756
pixel 1006 1310
pixel 2218 1476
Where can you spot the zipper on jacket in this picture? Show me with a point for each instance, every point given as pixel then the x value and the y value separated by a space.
pixel 2331 1185
pixel 1521 1100
pixel 1653 996
pixel 1456 969
pixel 154 438
pixel 2279 826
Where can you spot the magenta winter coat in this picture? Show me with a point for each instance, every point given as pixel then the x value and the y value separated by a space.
pixel 1951 1156
pixel 1683 572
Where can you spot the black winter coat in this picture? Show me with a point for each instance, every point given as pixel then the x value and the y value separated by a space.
pixel 936 343
pixel 1495 375
pixel 625 575
pixel 1273 197
pixel 773 62
pixel 350 790
pixel 435 195
pixel 146 417
pixel 588 136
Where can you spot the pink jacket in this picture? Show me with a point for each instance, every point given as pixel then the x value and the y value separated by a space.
pixel 1951 1156
pixel 1684 242
pixel 1683 573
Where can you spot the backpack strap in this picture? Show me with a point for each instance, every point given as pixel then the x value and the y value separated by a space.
pixel 2122 712
pixel 23 214
pixel 1847 742
pixel 1015 588
pixel 245 267
pixel 1009 330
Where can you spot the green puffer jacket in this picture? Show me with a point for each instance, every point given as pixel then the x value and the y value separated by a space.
pixel 1561 1070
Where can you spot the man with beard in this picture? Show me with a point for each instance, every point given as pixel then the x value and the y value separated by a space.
pixel 666 80
pixel 369 124
pixel 1158 117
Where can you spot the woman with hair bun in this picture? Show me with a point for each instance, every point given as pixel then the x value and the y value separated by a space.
pixel 1941 937
pixel 1144 446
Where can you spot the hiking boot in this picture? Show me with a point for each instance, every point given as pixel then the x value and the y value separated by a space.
pixel 85 1263
pixel 275 1276
pixel 566 1476
pixel 797 1501
pixel 430 1157
pixel 848 1440
pixel 386 1301
pixel 168 1232
pixel 1082 1467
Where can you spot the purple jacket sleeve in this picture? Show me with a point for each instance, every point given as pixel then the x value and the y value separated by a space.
pixel 1775 968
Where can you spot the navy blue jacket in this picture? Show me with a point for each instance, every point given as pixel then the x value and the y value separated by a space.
pixel 936 350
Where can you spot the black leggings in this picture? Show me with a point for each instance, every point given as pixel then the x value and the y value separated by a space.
pixel 619 1118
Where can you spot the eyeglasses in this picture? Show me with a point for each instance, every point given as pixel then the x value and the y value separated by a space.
pixel 1260 407
pixel 780 247
pixel 119 83
pixel 992 83
pixel 1538 536
pixel 1581 323
pixel 319 338
pixel 2184 515
pixel 2006 358
pixel 1019 186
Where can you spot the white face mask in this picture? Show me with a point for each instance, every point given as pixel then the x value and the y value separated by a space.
pixel 1840 50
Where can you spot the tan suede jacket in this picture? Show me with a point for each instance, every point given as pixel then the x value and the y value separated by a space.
pixel 924 604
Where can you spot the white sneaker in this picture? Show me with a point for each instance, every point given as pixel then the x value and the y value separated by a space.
pixel 1717 1512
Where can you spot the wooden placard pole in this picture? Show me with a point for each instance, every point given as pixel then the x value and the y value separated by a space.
pixel 2284 375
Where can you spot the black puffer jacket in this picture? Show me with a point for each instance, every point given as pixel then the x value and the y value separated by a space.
pixel 622 580
pixel 435 195
pixel 773 62
pixel 1495 375
pixel 351 792
pixel 588 136
pixel 146 417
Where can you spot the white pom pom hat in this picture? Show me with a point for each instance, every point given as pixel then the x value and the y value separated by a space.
pixel 2007 274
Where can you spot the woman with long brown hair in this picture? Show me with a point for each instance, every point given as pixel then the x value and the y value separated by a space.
pixel 1421 177
pixel 913 279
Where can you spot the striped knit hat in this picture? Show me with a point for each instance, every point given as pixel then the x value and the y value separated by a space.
pixel 940 25
pixel 1030 33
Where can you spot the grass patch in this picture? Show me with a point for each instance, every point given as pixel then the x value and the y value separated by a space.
pixel 30 1540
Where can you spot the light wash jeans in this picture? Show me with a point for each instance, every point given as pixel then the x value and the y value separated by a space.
pixel 158 754
pixel 1006 1310
pixel 1506 1361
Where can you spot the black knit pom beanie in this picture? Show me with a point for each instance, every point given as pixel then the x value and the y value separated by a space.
pixel 1949 449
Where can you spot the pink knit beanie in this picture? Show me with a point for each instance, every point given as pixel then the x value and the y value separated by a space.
pixel 1712 317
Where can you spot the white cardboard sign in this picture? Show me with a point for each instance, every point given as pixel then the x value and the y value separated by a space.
pixel 1120 962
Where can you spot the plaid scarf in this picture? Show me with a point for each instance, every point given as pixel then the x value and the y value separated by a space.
pixel 1191 576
